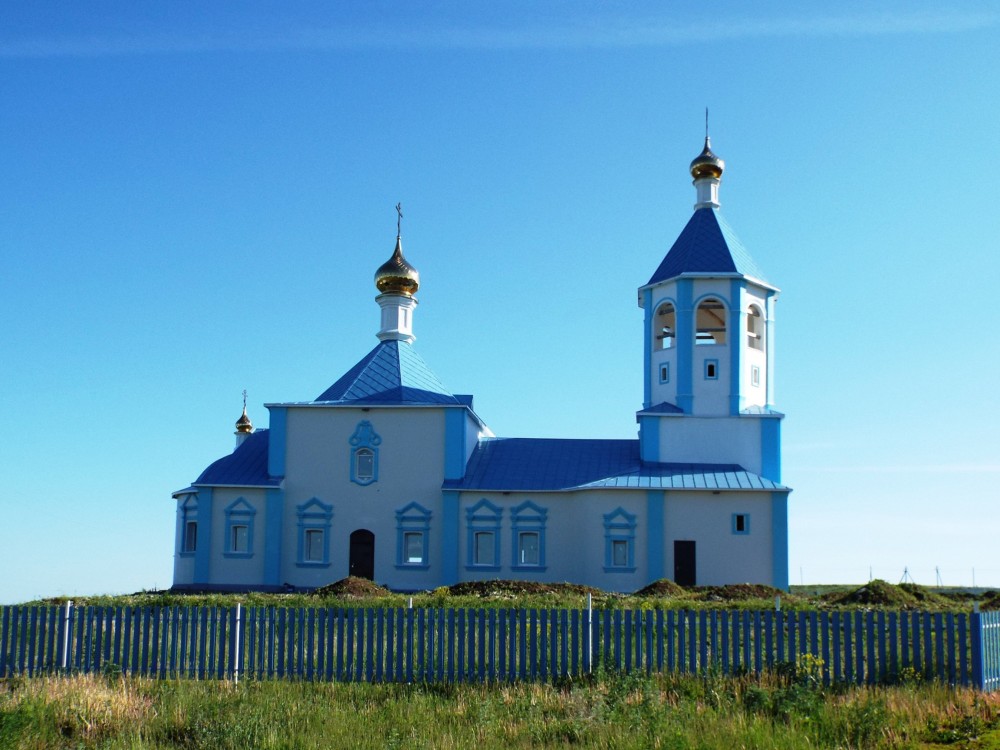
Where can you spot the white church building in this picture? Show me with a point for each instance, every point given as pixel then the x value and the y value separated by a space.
pixel 387 475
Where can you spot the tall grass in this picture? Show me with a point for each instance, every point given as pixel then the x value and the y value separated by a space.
pixel 788 710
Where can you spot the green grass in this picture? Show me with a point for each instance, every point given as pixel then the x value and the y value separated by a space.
pixel 620 711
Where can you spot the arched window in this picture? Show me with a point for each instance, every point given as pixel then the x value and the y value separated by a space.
pixel 755 328
pixel 710 323
pixel 364 454
pixel 364 465
pixel 664 327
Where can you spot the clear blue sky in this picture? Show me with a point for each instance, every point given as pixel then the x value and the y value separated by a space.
pixel 194 197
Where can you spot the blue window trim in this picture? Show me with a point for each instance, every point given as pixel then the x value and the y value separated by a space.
pixel 746 524
pixel 189 514
pixel 484 516
pixel 619 525
pixel 412 518
pixel 528 518
pixel 239 513
pixel 755 376
pixel 364 438
pixel 313 515
pixel 664 372
pixel 714 362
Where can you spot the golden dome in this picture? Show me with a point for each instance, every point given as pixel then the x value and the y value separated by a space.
pixel 396 276
pixel 707 164
pixel 243 424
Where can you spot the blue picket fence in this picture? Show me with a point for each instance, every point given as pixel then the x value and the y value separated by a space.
pixel 493 645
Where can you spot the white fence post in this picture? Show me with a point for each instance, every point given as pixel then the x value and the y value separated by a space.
pixel 65 643
pixel 236 645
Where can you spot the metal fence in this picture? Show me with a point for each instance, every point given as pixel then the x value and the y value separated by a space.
pixel 494 645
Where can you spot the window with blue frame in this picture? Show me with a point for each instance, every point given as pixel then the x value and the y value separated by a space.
pixel 528 536
pixel 364 453
pixel 413 524
pixel 619 541
pixel 741 523
pixel 239 528
pixel 313 534
pixel 482 522
pixel 189 526
pixel 711 369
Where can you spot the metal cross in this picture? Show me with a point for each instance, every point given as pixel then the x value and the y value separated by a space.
pixel 399 219
pixel 244 399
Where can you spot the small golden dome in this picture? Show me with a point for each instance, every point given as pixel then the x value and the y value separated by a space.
pixel 243 424
pixel 396 276
pixel 707 164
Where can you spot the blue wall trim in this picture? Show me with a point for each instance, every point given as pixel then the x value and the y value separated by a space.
pixel 737 340
pixel 685 345
pixel 779 539
pixel 655 502
pixel 647 348
pixel 769 348
pixel 203 552
pixel 276 441
pixel 449 537
pixel 364 440
pixel 274 514
pixel 649 438
pixel 455 425
pixel 770 448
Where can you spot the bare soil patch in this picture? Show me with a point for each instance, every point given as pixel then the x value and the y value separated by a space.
pixel 352 588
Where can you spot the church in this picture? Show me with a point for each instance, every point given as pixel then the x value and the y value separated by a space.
pixel 387 475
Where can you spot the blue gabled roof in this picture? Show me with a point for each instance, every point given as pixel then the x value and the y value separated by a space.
pixel 391 373
pixel 244 467
pixel 707 245
pixel 664 407
pixel 528 464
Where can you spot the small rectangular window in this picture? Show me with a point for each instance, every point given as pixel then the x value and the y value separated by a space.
pixel 413 547
pixel 527 548
pixel 239 539
pixel 711 369
pixel 485 548
pixel 619 553
pixel 365 466
pixel 190 536
pixel 755 376
pixel 314 545
pixel 665 373
pixel 741 523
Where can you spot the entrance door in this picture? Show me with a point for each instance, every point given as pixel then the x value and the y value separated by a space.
pixel 362 558
pixel 685 572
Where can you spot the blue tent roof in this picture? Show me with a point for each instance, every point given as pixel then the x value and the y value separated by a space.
pixel 707 245
pixel 528 464
pixel 244 467
pixel 391 373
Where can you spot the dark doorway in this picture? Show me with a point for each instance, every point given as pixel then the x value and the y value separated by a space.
pixel 362 559
pixel 685 572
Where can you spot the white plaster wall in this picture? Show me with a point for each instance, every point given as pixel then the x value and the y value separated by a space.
pixel 754 395
pixel 236 571
pixel 711 397
pixel 574 537
pixel 687 439
pixel 410 468
pixel 183 566
pixel 661 392
pixel 720 556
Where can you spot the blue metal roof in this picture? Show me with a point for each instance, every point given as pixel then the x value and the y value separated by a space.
pixel 664 407
pixel 529 464
pixel 244 467
pixel 391 373
pixel 707 245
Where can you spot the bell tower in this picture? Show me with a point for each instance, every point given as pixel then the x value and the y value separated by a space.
pixel 708 339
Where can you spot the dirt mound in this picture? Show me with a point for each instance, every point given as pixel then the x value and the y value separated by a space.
pixel 507 589
pixel 927 598
pixel 352 588
pixel 878 593
pixel 739 592
pixel 662 588
pixel 990 600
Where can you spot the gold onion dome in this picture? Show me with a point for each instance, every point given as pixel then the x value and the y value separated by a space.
pixel 707 164
pixel 243 424
pixel 396 276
